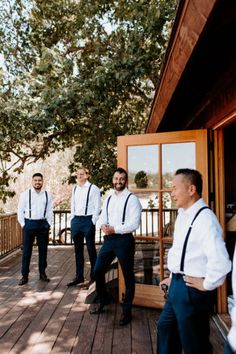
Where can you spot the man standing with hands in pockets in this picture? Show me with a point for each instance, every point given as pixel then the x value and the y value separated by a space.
pixel 85 208
pixel 198 262
pixel 120 217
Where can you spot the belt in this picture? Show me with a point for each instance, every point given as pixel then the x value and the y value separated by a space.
pixel 177 275
pixel 117 235
pixel 83 216
pixel 35 219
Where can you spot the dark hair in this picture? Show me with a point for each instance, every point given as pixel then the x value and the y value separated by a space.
pixel 193 176
pixel 121 170
pixel 37 175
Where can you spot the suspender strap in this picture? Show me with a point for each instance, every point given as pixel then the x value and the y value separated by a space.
pixel 124 211
pixel 30 203
pixel 86 208
pixel 108 201
pixel 46 204
pixel 87 200
pixel 187 237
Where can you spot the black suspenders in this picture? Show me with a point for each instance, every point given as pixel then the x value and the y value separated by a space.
pixel 124 211
pixel 46 204
pixel 187 237
pixel 87 200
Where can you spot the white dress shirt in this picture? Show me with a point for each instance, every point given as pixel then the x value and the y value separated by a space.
pixel 206 255
pixel 38 203
pixel 79 199
pixel 232 332
pixel 115 212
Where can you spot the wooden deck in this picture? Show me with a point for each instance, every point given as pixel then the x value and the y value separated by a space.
pixel 51 318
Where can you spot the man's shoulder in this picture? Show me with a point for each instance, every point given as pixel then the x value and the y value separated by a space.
pixel 95 187
pixel 26 191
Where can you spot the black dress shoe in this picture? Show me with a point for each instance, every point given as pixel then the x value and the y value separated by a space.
pixel 76 281
pixel 44 277
pixel 23 281
pixel 97 310
pixel 125 318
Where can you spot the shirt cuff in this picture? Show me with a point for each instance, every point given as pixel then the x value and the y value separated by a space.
pixel 208 285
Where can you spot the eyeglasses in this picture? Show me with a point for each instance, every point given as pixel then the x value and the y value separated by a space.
pixel 164 288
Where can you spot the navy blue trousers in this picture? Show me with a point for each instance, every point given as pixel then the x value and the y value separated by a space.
pixel 184 321
pixel 122 247
pixel 228 349
pixel 40 230
pixel 82 228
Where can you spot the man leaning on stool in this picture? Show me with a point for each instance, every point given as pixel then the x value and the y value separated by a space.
pixel 35 216
pixel 120 217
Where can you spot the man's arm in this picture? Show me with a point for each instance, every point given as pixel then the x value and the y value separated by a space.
pixel 49 210
pixel 21 210
pixel 72 211
pixel 97 204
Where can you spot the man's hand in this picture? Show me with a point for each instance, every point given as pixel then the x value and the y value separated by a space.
pixel 107 229
pixel 165 281
pixel 194 282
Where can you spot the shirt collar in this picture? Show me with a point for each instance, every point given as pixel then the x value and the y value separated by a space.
pixel 34 191
pixel 193 209
pixel 87 184
pixel 124 192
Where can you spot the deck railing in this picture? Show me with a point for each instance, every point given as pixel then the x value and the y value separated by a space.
pixel 60 233
pixel 10 234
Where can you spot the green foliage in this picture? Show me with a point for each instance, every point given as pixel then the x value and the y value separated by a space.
pixel 77 73
pixel 141 179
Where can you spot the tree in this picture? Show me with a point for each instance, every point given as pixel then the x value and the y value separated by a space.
pixel 77 73
pixel 141 179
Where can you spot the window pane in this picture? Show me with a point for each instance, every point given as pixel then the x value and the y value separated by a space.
pixel 175 156
pixel 147 263
pixel 143 166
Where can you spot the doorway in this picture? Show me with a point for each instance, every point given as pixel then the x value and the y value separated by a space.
pixel 151 161
pixel 230 196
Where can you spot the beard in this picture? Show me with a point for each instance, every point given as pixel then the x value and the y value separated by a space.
pixel 38 187
pixel 119 187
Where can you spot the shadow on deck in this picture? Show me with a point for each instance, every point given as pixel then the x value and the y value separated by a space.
pixel 51 318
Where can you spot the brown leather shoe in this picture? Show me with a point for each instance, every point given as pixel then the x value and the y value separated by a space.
pixel 23 281
pixel 44 277
pixel 125 318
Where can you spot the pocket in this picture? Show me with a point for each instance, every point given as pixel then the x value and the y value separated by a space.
pixel 201 300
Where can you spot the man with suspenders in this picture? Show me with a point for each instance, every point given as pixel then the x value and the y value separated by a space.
pixel 121 215
pixel 35 216
pixel 85 209
pixel 198 264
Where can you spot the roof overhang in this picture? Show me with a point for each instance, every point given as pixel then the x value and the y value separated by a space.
pixel 191 18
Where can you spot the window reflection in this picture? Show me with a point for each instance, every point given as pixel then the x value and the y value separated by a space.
pixel 175 156
pixel 143 167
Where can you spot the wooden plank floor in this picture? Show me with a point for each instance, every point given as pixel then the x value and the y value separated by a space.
pixel 51 318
